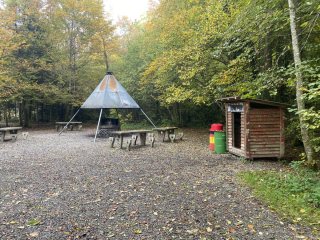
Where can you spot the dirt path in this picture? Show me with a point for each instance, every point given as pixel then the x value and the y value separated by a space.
pixel 68 187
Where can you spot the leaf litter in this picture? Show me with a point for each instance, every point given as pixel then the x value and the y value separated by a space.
pixel 67 187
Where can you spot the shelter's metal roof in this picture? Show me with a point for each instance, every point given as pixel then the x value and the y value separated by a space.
pixel 264 102
pixel 110 94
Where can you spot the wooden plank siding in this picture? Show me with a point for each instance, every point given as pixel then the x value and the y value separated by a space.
pixel 265 129
pixel 282 138
pixel 226 127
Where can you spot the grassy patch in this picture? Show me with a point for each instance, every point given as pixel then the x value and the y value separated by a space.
pixel 295 194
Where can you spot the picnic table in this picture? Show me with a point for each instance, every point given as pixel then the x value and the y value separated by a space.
pixel 71 126
pixel 168 132
pixel 134 134
pixel 7 133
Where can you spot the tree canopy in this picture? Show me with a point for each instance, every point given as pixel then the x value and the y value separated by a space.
pixel 176 62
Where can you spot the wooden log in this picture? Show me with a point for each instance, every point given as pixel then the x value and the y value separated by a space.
pixel 265 140
pixel 134 139
pixel 261 115
pixel 264 146
pixel 151 139
pixel 265 156
pixel 266 122
pixel 25 135
pixel 14 137
pixel 172 137
pixel 111 140
pixel 180 135
pixel 269 130
pixel 129 143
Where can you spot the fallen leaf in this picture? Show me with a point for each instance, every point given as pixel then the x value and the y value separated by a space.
pixel 138 231
pixel 34 222
pixel 34 234
pixel 251 227
pixel 231 230
pixel 239 223
pixel 300 237
pixel 298 219
pixel 302 210
pixel 193 231
pixel 209 229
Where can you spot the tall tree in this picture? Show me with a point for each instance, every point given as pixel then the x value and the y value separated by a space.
pixel 299 81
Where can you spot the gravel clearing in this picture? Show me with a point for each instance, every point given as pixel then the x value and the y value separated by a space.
pixel 68 187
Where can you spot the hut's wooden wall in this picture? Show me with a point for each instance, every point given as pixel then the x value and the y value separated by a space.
pixel 265 129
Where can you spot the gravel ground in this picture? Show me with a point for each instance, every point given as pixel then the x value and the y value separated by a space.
pixel 67 187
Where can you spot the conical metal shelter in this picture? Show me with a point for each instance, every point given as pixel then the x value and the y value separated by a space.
pixel 110 94
pixel 107 95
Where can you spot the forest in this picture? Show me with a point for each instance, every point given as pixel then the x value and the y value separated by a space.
pixel 176 62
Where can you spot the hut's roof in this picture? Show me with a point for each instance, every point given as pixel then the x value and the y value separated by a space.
pixel 264 102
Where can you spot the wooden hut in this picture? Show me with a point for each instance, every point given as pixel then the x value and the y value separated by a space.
pixel 254 128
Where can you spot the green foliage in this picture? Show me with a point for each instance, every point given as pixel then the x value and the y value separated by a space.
pixel 295 194
pixel 187 54
pixel 311 116
pixel 51 52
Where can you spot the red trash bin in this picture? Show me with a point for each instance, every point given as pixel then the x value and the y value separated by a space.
pixel 214 128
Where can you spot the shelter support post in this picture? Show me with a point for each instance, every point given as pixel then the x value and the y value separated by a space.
pixel 148 118
pixel 98 125
pixel 65 127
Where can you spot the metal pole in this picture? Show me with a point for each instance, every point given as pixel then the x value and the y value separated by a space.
pixel 69 121
pixel 98 126
pixel 148 118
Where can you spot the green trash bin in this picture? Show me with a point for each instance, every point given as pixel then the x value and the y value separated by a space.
pixel 220 142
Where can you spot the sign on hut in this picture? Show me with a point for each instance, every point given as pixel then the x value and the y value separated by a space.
pixel 254 128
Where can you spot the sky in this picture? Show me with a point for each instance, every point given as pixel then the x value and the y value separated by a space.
pixel 134 9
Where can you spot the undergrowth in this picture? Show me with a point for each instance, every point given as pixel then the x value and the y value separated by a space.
pixel 294 193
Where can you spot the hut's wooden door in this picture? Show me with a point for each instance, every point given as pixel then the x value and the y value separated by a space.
pixel 236 129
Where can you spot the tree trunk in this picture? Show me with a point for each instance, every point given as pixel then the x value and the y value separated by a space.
pixel 26 113
pixel 299 81
pixel 105 54
pixel 20 114
pixel 6 115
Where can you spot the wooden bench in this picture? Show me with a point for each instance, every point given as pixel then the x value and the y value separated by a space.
pixel 72 126
pixel 133 136
pixel 168 133
pixel 9 133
